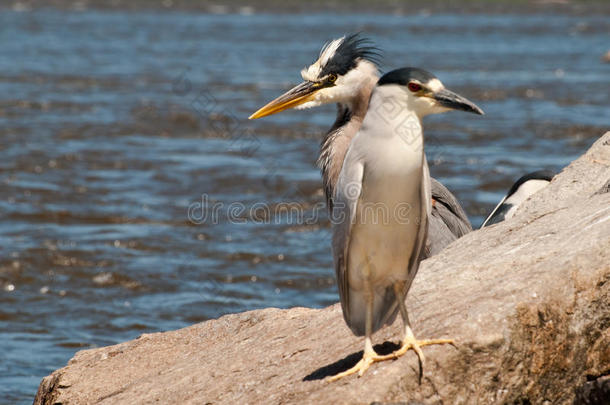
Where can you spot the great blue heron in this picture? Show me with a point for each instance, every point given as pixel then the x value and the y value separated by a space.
pixel 385 165
pixel 523 188
pixel 345 73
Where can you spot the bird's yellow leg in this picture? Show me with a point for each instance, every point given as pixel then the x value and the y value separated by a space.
pixel 370 356
pixel 409 342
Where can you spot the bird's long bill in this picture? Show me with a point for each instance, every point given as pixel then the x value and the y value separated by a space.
pixel 297 95
pixel 449 99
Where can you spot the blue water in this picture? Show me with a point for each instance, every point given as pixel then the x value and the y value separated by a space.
pixel 121 131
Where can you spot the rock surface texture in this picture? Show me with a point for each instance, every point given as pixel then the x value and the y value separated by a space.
pixel 527 302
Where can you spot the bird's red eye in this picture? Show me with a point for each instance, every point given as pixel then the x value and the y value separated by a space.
pixel 414 87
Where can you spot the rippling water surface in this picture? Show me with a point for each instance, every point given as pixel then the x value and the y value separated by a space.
pixel 113 124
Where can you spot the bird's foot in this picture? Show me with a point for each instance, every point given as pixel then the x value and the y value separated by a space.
pixel 409 343
pixel 368 358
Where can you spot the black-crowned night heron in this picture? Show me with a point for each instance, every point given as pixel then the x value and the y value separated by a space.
pixel 385 168
pixel 345 73
pixel 523 188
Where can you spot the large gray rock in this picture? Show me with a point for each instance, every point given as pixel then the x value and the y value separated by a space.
pixel 527 301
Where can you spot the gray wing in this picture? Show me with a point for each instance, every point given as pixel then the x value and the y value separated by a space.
pixel 347 194
pixel 449 209
pixel 448 221
pixel 419 250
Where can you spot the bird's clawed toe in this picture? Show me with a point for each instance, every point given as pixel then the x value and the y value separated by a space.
pixel 360 367
pixel 410 343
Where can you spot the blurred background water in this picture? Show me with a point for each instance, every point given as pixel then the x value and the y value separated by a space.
pixel 114 123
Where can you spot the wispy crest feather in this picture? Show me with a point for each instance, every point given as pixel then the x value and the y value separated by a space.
pixel 341 55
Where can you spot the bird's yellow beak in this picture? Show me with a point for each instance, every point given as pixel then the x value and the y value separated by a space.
pixel 300 94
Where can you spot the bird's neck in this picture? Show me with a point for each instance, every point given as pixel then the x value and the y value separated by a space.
pixel 360 104
pixel 392 115
pixel 336 142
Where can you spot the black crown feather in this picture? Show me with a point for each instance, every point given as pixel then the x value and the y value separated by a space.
pixel 352 48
